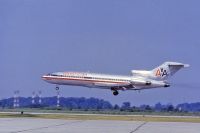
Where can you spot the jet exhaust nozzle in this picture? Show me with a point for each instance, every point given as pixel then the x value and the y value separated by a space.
pixel 167 85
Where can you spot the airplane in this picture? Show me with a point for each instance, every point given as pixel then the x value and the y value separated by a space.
pixel 138 80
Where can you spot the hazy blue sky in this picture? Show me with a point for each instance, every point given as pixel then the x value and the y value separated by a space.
pixel 106 36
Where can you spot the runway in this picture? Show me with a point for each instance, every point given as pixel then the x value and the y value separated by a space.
pixel 38 125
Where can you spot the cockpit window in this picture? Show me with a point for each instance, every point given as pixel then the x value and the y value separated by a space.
pixel 50 74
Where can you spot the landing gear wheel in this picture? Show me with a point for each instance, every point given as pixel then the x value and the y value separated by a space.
pixel 115 93
pixel 57 88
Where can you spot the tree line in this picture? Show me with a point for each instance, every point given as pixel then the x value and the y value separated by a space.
pixel 83 103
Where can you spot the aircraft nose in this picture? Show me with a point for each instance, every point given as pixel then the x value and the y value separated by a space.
pixel 44 77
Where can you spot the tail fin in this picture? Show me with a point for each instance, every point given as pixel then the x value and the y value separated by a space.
pixel 167 69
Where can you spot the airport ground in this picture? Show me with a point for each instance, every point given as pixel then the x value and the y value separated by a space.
pixel 39 122
pixel 38 125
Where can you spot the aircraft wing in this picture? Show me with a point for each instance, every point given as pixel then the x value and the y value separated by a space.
pixel 100 84
pixel 117 86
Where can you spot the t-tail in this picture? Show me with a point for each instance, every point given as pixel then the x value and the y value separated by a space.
pixel 167 70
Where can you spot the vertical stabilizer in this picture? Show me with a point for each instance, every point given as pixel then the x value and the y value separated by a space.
pixel 167 70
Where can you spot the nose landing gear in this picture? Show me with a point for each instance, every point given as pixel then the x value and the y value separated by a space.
pixel 57 88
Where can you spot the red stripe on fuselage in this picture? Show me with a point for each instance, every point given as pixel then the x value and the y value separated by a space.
pixel 93 80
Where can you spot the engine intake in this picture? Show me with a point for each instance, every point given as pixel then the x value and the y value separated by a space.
pixel 148 83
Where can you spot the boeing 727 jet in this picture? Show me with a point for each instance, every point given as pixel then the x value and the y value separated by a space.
pixel 138 80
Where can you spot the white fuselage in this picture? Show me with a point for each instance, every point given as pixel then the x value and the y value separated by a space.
pixel 106 81
pixel 140 79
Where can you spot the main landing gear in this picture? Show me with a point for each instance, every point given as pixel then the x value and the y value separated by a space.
pixel 115 92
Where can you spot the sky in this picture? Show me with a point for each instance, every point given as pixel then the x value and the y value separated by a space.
pixel 107 36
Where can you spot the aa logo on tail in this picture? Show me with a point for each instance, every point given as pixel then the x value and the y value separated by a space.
pixel 161 72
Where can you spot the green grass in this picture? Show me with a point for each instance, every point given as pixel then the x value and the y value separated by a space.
pixel 104 117
pixel 113 112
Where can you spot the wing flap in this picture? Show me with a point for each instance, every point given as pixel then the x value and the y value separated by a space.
pixel 100 84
